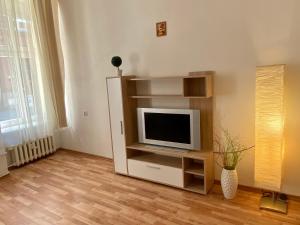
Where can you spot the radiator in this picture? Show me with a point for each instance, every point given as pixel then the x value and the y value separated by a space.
pixel 30 151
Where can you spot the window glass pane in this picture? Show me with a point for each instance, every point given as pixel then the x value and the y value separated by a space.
pixel 23 32
pixel 7 100
pixel 28 88
pixel 4 35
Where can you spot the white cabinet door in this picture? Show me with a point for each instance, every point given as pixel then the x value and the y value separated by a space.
pixel 114 90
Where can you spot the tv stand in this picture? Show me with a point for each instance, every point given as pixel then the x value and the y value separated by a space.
pixel 186 169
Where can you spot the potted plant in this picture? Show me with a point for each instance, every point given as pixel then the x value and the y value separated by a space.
pixel 228 150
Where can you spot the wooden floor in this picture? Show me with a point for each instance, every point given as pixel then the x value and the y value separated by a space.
pixel 72 188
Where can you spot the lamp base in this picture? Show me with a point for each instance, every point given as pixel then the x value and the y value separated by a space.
pixel 274 202
pixel 120 72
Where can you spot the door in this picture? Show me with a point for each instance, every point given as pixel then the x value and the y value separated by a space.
pixel 114 91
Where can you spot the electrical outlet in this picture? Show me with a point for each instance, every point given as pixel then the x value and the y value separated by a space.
pixel 85 113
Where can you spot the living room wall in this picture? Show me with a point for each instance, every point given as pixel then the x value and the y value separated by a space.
pixel 231 37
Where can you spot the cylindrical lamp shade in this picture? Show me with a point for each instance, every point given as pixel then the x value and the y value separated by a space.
pixel 269 126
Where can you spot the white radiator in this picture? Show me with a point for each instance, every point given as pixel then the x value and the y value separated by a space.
pixel 27 152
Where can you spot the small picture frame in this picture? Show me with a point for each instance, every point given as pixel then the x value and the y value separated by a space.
pixel 161 29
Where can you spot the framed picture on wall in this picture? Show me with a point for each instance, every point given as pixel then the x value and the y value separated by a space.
pixel 161 29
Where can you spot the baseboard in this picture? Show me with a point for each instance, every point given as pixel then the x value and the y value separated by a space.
pixel 243 187
pixel 259 190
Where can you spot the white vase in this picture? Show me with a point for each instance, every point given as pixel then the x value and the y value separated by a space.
pixel 229 183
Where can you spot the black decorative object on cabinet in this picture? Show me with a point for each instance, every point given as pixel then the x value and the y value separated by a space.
pixel 116 61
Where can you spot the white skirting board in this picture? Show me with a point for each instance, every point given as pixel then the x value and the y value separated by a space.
pixel 3 165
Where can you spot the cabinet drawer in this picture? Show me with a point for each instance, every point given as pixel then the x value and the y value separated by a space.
pixel 156 172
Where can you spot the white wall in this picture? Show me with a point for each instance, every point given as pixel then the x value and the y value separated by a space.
pixel 231 37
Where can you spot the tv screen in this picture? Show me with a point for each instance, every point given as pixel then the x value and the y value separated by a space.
pixel 168 127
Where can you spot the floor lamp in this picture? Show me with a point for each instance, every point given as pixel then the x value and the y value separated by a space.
pixel 269 136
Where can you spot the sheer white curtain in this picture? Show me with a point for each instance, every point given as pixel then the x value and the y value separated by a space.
pixel 26 107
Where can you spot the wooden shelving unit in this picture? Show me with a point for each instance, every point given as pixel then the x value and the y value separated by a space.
pixel 190 170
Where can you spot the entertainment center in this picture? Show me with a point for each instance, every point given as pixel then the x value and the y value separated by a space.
pixel 142 149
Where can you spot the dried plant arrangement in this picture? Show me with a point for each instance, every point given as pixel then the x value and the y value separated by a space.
pixel 228 150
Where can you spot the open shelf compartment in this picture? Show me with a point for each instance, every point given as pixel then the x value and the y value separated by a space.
pixel 197 87
pixel 169 151
pixel 194 183
pixel 194 166
pixel 155 158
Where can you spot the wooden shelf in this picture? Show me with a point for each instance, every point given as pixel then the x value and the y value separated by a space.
pixel 159 159
pixel 157 96
pixel 166 96
pixel 198 75
pixel 195 169
pixel 155 78
pixel 195 187
pixel 196 85
pixel 168 151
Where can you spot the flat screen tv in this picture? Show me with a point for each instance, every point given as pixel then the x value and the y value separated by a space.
pixel 178 128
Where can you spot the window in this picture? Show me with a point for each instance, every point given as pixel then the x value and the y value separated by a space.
pixel 16 53
pixel 31 95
